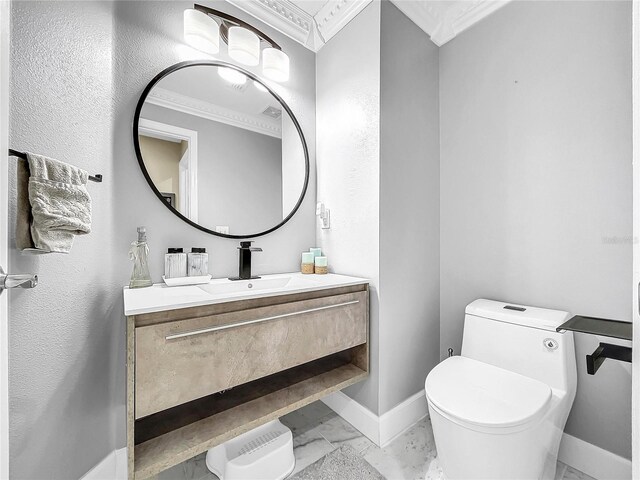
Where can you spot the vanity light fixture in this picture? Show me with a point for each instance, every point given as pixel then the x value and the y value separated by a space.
pixel 244 46
pixel 232 76
pixel 203 28
pixel 275 64
pixel 201 31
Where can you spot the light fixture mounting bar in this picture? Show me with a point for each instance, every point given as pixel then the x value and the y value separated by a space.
pixel 231 21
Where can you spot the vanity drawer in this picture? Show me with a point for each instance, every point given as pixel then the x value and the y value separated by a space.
pixel 180 361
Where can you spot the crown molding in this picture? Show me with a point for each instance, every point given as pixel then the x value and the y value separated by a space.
pixel 443 21
pixel 193 106
pixel 310 31
pixel 335 15
pixel 476 11
pixel 282 15
pixel 425 15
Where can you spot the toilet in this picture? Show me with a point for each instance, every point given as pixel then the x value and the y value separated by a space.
pixel 499 409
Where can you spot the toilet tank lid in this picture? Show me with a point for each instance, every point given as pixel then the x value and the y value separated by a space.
pixel 542 318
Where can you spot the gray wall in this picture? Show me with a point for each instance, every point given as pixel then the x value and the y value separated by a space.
pixel 348 156
pixel 239 172
pixel 536 181
pixel 378 164
pixel 77 73
pixel 64 335
pixel 409 208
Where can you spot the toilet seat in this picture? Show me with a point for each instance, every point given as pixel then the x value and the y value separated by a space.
pixel 486 398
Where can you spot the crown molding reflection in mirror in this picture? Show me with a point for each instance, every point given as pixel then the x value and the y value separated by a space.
pixel 193 106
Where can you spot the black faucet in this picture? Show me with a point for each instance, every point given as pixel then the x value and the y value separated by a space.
pixel 244 268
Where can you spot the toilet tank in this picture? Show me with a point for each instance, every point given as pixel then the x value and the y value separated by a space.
pixel 521 339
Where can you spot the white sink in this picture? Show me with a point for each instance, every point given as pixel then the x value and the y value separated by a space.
pixel 160 297
pixel 222 287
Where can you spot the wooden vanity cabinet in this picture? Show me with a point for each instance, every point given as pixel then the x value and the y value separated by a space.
pixel 200 376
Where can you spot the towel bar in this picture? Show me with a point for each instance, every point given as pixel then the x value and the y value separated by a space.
pixel 14 153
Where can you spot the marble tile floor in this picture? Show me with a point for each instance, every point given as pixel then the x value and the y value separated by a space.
pixel 317 430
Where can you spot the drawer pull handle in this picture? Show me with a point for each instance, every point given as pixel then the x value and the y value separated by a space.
pixel 259 320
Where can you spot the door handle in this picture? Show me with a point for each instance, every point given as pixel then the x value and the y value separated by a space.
pixel 25 280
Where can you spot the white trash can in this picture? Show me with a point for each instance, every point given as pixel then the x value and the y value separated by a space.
pixel 265 453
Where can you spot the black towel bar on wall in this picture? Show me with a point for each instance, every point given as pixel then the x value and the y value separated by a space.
pixel 14 153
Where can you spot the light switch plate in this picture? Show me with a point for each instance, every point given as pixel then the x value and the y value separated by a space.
pixel 326 219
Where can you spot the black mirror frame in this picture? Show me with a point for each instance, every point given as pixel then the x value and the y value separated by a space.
pixel 136 142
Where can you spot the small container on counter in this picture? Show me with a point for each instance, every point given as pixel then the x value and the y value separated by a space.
pixel 307 263
pixel 175 263
pixel 139 253
pixel 317 252
pixel 197 262
pixel 321 265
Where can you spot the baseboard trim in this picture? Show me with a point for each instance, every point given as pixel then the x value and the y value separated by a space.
pixel 112 467
pixel 593 460
pixel 121 464
pixel 402 417
pixel 360 417
pixel 379 429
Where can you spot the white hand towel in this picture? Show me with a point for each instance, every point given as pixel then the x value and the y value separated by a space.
pixel 24 240
pixel 60 203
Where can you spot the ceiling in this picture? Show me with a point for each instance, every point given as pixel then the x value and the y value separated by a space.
pixel 313 22
pixel 201 91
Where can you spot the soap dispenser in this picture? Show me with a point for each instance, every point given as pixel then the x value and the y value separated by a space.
pixel 197 262
pixel 139 254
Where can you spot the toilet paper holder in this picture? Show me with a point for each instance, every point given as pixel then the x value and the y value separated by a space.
pixel 604 351
pixel 605 328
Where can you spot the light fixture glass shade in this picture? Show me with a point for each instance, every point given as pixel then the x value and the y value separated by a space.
pixel 275 64
pixel 244 46
pixel 201 31
pixel 232 76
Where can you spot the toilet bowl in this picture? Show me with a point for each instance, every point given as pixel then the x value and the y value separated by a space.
pixel 498 411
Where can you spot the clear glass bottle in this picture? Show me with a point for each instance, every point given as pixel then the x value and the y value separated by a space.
pixel 139 254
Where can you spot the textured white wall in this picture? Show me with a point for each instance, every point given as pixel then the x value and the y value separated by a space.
pixel 536 181
pixel 409 208
pixel 65 333
pixel 78 69
pixel 348 158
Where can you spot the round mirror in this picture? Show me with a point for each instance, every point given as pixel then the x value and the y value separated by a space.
pixel 220 149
